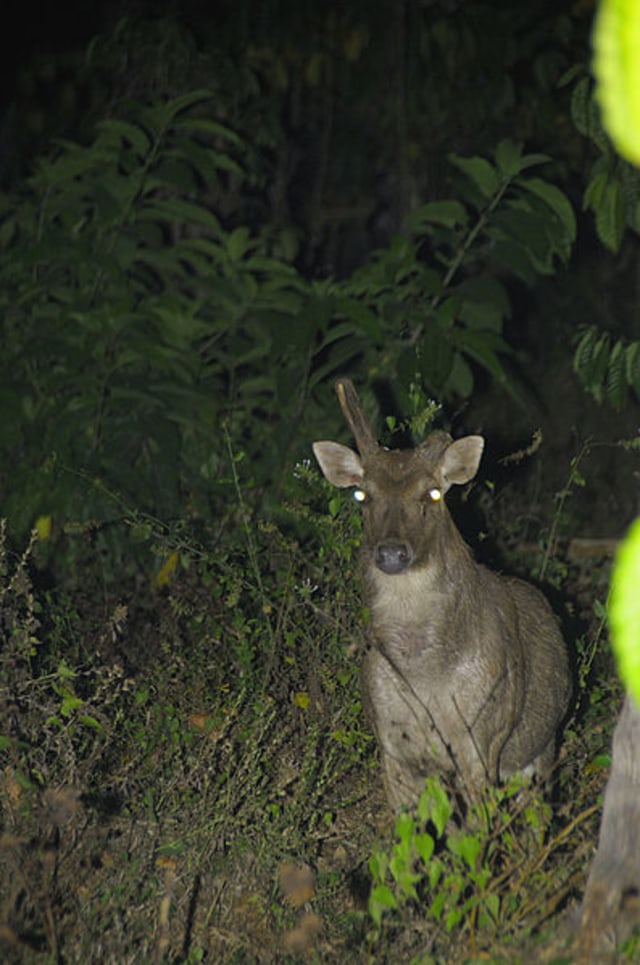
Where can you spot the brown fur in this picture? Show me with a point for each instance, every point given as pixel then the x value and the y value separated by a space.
pixel 465 672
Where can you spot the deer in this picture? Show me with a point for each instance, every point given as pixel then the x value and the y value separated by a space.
pixel 465 672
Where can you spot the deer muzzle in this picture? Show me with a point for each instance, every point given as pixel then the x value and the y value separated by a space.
pixel 393 557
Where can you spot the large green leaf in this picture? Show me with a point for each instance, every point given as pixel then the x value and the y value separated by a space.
pixel 557 201
pixel 609 214
pixel 480 171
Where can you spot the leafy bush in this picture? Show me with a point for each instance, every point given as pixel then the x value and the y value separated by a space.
pixel 220 708
pixel 440 291
pixel 150 344
pixel 467 878
pixel 123 304
pixel 171 743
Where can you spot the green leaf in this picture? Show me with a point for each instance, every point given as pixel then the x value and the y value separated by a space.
pixel 466 846
pixel 630 184
pixel 343 353
pixel 65 672
pixel 484 303
pixel 435 871
pixel 616 376
pixel 381 899
pixel 508 156
pixel 460 381
pixel 433 355
pixel 483 347
pixel 580 106
pixel 480 171
pixel 594 192
pixel 185 102
pixel 556 200
pixel 447 213
pixel 178 211
pixel 509 256
pixel 526 224
pixel 491 905
pixel 205 126
pixel 610 216
pixel 584 353
pixel 424 845
pixel 632 366
pixel 91 722
pixel 125 131
pixel 239 243
pixel 360 317
pixel 70 703
pixel 454 917
pixel 405 827
pixel 531 160
pixel 599 365
pixel 434 805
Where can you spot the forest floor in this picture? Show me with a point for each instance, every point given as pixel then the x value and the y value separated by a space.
pixel 188 776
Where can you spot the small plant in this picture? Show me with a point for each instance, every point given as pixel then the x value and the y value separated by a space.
pixel 474 878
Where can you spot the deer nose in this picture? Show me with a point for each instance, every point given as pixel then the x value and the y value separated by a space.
pixel 393 557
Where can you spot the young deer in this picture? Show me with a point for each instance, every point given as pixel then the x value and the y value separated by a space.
pixel 465 671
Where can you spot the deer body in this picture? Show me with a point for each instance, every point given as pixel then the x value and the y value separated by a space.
pixel 465 671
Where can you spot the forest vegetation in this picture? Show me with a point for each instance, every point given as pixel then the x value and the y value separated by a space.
pixel 206 217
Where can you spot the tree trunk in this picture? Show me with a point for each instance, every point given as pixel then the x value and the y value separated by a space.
pixel 611 906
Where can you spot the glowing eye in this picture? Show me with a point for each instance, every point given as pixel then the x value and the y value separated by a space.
pixel 435 494
pixel 359 495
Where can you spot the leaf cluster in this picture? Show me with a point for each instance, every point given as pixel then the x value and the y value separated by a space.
pixel 465 877
pixel 612 193
pixel 608 369
pixel 151 344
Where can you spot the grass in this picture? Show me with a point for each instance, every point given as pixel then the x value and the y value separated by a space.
pixel 187 775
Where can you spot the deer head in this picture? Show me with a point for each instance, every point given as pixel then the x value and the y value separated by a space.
pixel 405 518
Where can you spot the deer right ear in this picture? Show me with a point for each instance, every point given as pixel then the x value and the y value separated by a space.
pixel 340 465
pixel 461 460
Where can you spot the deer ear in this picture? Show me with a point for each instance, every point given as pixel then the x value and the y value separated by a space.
pixel 340 465
pixel 461 460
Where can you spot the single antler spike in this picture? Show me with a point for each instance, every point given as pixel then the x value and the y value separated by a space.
pixel 358 422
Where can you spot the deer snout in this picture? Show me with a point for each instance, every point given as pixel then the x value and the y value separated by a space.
pixel 393 557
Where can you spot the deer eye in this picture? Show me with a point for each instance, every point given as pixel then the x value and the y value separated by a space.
pixel 435 494
pixel 359 495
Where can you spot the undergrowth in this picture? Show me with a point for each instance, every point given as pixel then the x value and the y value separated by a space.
pixel 187 774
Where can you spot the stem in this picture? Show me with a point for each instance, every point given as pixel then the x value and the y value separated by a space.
pixel 252 550
pixel 471 237
pixel 562 497
pixel 463 251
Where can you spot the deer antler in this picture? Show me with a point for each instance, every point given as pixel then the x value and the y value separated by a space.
pixel 352 410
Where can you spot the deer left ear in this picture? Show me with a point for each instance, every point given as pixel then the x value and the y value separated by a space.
pixel 461 460
pixel 340 465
